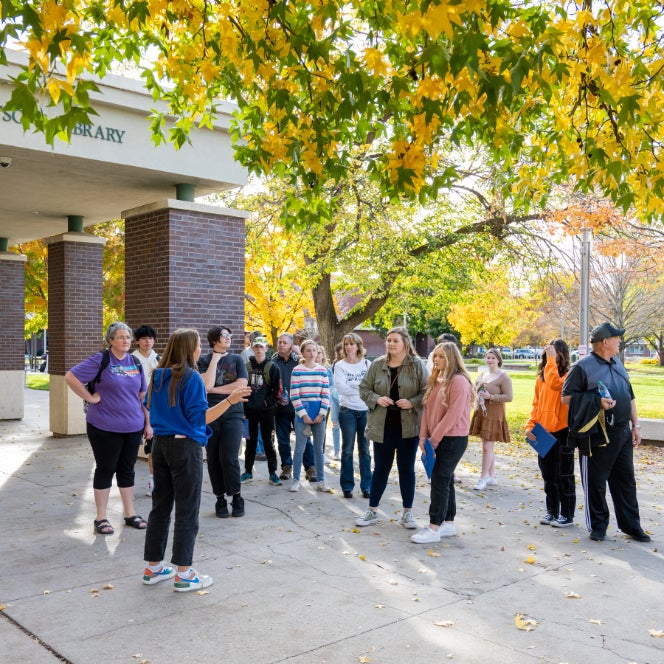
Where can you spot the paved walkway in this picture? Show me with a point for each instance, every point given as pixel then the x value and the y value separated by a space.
pixel 295 581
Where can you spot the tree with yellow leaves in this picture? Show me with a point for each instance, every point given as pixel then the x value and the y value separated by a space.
pixel 277 281
pixel 554 92
pixel 492 314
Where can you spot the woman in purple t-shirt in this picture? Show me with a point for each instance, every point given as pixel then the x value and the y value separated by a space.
pixel 116 421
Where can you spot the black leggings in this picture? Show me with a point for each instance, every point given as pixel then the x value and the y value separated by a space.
pixel 115 454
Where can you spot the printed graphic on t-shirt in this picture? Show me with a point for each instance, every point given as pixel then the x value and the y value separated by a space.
pixel 355 378
pixel 224 377
pixel 120 370
pixel 256 379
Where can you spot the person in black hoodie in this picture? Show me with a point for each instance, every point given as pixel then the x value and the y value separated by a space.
pixel 265 383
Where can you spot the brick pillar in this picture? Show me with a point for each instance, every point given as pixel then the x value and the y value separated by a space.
pixel 184 267
pixel 12 335
pixel 75 327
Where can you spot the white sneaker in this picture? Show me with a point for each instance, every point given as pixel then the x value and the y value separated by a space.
pixel 194 581
pixel 295 486
pixel 491 481
pixel 408 521
pixel 369 518
pixel 447 530
pixel 481 485
pixel 426 536
pixel 321 486
pixel 150 488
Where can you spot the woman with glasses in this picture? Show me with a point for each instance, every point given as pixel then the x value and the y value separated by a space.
pixel 224 372
pixel 116 421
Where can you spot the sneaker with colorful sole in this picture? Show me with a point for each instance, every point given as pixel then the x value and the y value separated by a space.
pixel 150 577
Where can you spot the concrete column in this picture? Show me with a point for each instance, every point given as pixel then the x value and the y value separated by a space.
pixel 12 335
pixel 75 327
pixel 184 267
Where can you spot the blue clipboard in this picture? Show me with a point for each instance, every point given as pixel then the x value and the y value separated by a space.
pixel 428 457
pixel 543 442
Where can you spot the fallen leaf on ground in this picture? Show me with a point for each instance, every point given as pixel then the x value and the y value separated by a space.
pixel 202 592
pixel 657 633
pixel 525 624
pixel 433 554
pixel 529 560
pixel 362 557
pixel 444 623
pixel 379 606
pixel 107 586
pixel 573 596
pixel 596 621
pixel 363 659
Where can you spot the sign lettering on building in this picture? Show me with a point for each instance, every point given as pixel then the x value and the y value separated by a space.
pixel 98 132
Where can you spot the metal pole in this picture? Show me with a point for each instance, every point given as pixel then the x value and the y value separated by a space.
pixel 584 299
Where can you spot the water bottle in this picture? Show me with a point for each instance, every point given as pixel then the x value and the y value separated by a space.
pixel 603 390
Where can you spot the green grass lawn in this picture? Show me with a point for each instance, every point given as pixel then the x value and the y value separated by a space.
pixel 647 382
pixel 37 381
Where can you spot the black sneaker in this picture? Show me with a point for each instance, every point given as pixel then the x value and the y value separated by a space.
pixel 238 505
pixel 221 508
pixel 638 534
pixel 563 522
pixel 597 535
pixel 348 494
pixel 548 519
pixel 366 494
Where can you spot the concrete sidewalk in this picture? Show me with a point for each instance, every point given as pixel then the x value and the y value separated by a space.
pixel 296 581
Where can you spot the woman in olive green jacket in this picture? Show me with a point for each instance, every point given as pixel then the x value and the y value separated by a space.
pixel 393 389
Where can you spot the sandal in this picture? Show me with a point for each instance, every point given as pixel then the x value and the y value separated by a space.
pixel 103 527
pixel 136 521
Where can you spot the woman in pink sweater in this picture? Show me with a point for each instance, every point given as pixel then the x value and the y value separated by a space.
pixel 445 422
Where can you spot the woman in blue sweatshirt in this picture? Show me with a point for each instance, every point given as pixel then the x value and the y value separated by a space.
pixel 179 415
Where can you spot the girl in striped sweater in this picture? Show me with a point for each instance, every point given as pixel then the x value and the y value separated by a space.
pixel 310 396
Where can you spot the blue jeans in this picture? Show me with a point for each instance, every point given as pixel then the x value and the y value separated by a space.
pixel 334 416
pixel 178 477
pixel 405 449
pixel 353 424
pixel 283 423
pixel 443 499
pixel 318 433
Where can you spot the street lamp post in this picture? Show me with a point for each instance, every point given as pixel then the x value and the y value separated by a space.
pixel 584 296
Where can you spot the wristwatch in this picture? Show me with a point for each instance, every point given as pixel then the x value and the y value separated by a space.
pixel 636 426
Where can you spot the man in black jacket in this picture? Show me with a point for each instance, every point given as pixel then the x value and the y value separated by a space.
pixel 603 461
pixel 265 381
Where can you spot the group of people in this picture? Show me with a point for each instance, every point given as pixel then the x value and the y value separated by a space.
pixel 181 402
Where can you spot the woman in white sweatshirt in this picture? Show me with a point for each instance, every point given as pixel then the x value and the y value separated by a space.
pixel 348 374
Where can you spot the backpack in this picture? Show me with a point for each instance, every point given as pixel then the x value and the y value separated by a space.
pixel 91 385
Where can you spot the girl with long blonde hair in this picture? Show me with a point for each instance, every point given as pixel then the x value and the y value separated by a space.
pixel 445 422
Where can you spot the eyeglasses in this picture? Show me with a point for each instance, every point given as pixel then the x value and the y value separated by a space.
pixel 225 335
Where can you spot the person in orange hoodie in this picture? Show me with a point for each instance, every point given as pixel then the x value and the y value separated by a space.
pixel 557 466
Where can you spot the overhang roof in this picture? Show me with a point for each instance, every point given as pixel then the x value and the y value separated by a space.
pixel 109 166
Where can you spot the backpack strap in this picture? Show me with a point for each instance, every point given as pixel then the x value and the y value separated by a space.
pixel 105 361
